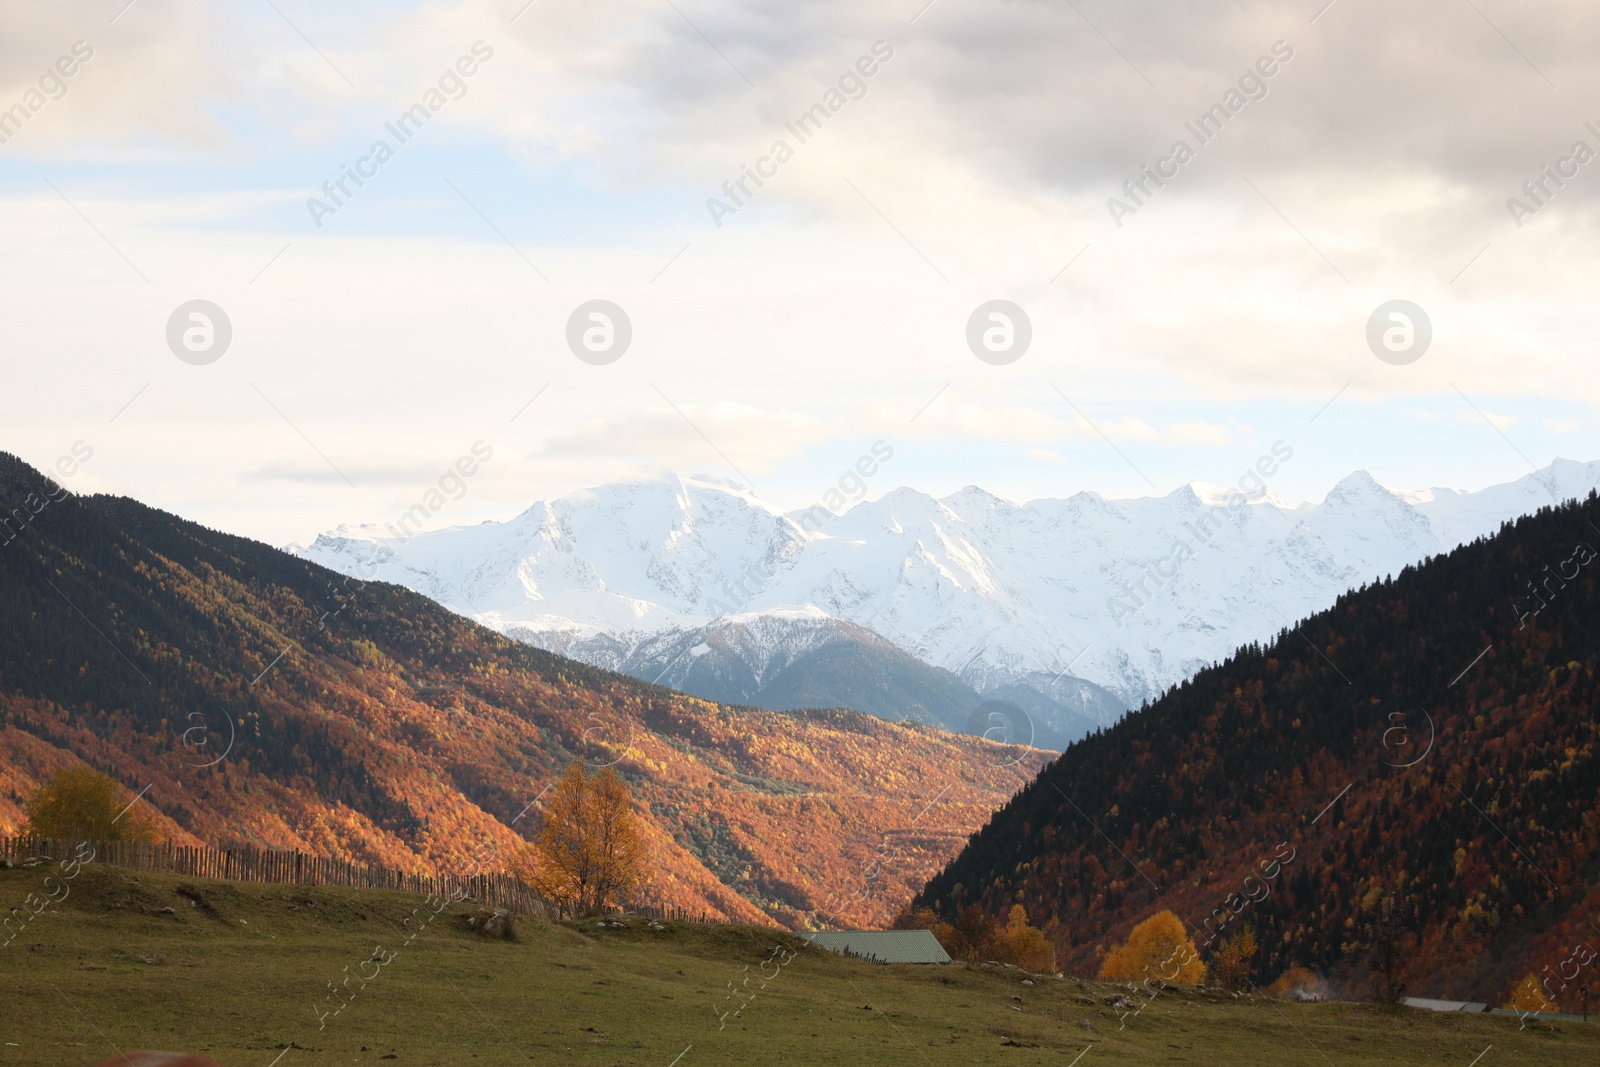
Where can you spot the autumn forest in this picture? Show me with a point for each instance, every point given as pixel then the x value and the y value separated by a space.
pixel 1398 795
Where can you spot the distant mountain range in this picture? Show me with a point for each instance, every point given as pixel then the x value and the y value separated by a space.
pixel 1074 610
pixel 1424 756
pixel 804 658
pixel 247 696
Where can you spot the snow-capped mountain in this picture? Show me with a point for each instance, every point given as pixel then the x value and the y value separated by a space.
pixel 787 659
pixel 1058 602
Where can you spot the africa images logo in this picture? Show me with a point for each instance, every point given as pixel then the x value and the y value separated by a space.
pixel 451 85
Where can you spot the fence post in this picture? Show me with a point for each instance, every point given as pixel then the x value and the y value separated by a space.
pixel 251 863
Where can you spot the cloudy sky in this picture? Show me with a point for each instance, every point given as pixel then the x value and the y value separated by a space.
pixel 1358 154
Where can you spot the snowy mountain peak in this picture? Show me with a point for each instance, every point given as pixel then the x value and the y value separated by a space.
pixel 1187 495
pixel 1357 488
pixel 910 501
pixel 971 502
pixel 1131 595
pixel 1569 477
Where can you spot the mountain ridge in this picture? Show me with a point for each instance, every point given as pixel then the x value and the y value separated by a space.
pixel 245 694
pixel 1084 605
pixel 1430 738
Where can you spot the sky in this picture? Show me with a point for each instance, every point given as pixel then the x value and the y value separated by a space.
pixel 1317 162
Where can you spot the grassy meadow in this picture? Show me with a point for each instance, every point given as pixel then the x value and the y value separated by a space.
pixel 242 973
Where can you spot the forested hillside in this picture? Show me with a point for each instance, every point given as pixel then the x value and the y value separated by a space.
pixel 1430 740
pixel 249 696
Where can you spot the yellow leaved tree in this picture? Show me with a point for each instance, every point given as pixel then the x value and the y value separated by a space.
pixel 590 853
pixel 1158 950
pixel 81 804
pixel 1025 945
pixel 1530 996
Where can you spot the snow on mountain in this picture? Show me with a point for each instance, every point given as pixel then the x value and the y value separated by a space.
pixel 627 558
pixel 1056 599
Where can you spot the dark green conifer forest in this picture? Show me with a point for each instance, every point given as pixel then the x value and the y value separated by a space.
pixel 1425 749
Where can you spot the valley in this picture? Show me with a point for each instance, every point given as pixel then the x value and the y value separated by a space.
pixel 255 698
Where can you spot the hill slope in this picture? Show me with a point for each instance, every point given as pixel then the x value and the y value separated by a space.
pixel 263 698
pixel 806 659
pixel 1432 737
pixel 781 662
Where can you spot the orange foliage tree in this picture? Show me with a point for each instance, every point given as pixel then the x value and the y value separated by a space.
pixel 1296 983
pixel 1025 945
pixel 81 804
pixel 590 852
pixel 1232 963
pixel 927 919
pixel 1157 949
pixel 976 938
pixel 1530 996
pixel 970 937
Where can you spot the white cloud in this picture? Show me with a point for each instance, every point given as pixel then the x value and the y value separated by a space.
pixel 977 165
pixel 693 436
pixel 1199 433
pixel 157 70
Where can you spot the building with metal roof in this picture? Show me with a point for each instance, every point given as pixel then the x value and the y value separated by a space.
pixel 1469 1006
pixel 884 946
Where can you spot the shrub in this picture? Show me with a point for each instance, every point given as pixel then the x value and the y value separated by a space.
pixel 1296 983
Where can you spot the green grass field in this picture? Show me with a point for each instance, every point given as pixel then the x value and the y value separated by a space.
pixel 240 972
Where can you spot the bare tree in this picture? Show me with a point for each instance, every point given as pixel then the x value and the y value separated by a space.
pixel 1384 979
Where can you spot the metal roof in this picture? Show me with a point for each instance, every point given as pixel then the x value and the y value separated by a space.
pixel 1444 1005
pixel 887 946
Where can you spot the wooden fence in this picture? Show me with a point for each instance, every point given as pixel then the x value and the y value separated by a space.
pixel 250 864
pixel 659 911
